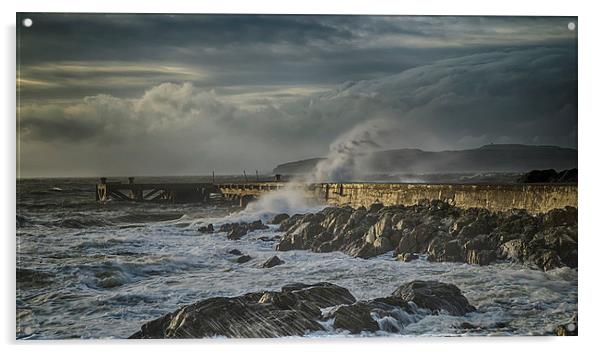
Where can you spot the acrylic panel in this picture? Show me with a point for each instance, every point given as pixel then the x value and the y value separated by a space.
pixel 262 176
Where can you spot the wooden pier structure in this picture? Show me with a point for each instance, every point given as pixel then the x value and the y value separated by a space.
pixel 158 192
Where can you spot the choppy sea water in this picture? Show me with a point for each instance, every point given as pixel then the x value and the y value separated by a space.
pixel 101 271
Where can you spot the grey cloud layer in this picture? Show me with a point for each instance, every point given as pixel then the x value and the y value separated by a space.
pixel 523 95
pixel 228 51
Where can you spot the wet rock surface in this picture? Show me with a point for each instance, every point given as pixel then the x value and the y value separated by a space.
pixel 235 231
pixel 279 218
pixel 244 258
pixel 441 231
pixel 272 261
pixel 206 228
pixel 298 309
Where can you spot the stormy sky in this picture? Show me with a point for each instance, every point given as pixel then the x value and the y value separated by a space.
pixel 190 94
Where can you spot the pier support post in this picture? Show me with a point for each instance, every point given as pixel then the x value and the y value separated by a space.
pixel 101 190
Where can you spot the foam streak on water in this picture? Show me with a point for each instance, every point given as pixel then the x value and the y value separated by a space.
pixel 106 279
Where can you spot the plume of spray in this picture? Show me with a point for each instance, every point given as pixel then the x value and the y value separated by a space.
pixel 345 160
pixel 349 154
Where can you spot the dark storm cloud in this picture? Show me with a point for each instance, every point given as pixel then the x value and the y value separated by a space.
pixel 225 50
pixel 202 93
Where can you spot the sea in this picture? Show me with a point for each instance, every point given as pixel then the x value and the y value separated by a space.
pixel 90 270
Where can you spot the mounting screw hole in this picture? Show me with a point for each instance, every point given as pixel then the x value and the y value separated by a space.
pixel 27 22
pixel 571 26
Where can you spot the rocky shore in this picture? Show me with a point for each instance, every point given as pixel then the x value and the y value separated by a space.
pixel 439 230
pixel 298 309
pixel 434 230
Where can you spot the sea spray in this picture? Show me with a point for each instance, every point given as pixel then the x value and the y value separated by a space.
pixel 288 200
pixel 349 154
pixel 346 158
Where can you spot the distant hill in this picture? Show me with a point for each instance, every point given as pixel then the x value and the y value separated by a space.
pixel 488 158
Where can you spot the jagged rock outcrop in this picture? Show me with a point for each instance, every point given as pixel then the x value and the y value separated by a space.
pixel 439 230
pixel 301 308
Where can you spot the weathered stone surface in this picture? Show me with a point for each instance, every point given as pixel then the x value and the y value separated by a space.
pixel 243 259
pixel 237 230
pixel 435 296
pixel 297 309
pixel 375 207
pixel 206 228
pixel 300 236
pixel 279 218
pixel 442 231
pixel 495 197
pixel 407 257
pixel 513 250
pixel 257 225
pixel 354 318
pixel 480 257
pixel 272 261
pixel 560 217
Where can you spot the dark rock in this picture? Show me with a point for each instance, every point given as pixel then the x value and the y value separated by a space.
pixel 560 217
pixel 279 218
pixel 407 244
pixel 513 250
pixel 289 222
pixel 354 318
pixel 375 207
pixel 237 231
pixel 226 227
pixel 272 261
pixel 297 310
pixel 230 317
pixel 322 294
pixel 481 257
pixel 407 257
pixel 207 228
pixel 235 252
pixel 243 259
pixel 257 225
pixel 266 238
pixel 545 259
pixel 443 250
pixel 440 230
pixel 300 236
pixel 435 296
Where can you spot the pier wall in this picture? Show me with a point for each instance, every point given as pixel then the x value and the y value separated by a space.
pixel 535 198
